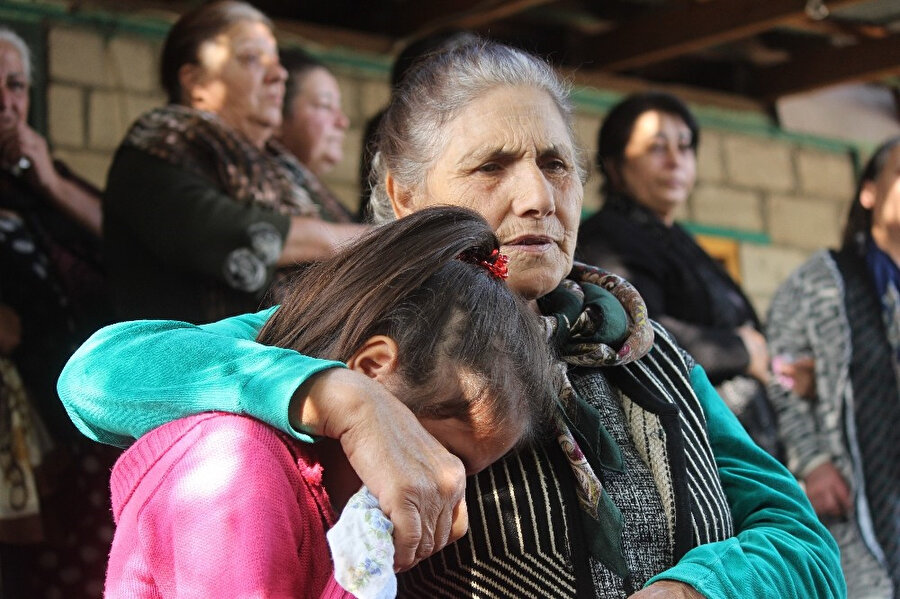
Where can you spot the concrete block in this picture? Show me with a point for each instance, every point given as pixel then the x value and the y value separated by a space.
pixel 825 174
pixel 722 206
pixel 804 222
pixel 710 164
pixel 77 56
pixel 133 64
pixel 65 112
pixel 586 128
pixel 136 105
pixel 764 268
pixel 350 102
pixel 93 166
pixel 106 120
pixel 348 195
pixel 374 94
pixel 759 163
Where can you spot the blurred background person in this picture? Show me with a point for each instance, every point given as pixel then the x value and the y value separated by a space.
pixel 647 153
pixel 55 525
pixel 842 308
pixel 314 128
pixel 203 211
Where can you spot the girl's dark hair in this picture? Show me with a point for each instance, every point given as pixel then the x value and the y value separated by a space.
pixel 859 218
pixel 298 64
pixel 182 45
pixel 404 280
pixel 619 122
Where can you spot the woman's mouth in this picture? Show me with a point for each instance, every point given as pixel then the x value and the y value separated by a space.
pixel 529 243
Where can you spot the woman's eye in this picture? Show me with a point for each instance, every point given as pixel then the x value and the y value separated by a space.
pixel 249 58
pixel 556 165
pixel 490 167
pixel 16 85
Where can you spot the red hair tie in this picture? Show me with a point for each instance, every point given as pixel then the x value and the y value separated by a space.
pixel 496 263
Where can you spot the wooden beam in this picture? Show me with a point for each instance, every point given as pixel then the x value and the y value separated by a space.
pixel 422 18
pixel 867 60
pixel 660 36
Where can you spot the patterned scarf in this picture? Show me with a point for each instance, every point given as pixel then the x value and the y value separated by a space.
pixel 594 318
pixel 199 142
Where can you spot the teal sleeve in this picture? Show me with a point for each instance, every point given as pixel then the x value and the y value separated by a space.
pixel 780 549
pixel 131 377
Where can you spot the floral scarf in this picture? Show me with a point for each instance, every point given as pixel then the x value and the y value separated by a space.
pixel 594 318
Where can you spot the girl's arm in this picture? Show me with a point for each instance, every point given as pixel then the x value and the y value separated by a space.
pixel 779 549
pixel 131 377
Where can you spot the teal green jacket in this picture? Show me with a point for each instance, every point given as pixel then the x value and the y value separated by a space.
pixel 779 550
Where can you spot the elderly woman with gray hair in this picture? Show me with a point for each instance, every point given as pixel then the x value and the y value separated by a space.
pixel 648 487
pixel 55 525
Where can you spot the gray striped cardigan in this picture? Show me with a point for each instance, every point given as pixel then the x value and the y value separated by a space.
pixel 808 317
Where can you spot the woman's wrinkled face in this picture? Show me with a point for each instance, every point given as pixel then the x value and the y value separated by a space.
pixel 13 88
pixel 882 197
pixel 659 166
pixel 314 130
pixel 510 157
pixel 242 79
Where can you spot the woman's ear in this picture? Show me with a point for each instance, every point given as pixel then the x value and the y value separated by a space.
pixel 378 358
pixel 867 195
pixel 400 196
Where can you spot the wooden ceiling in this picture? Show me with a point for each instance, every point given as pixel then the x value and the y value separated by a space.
pixel 761 49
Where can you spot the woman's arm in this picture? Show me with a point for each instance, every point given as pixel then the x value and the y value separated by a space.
pixel 131 377
pixel 779 549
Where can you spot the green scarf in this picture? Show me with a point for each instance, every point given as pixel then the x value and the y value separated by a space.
pixel 594 318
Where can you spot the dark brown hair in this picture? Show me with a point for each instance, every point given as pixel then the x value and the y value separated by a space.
pixel 182 45
pixel 448 317
pixel 859 218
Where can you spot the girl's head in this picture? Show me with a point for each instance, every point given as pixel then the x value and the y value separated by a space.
pixel 443 334
pixel 876 205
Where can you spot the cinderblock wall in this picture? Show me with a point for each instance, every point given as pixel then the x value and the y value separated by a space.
pixel 778 197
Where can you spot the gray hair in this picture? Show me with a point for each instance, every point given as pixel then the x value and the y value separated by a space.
pixel 15 40
pixel 412 133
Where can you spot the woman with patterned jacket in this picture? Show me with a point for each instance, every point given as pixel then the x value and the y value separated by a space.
pixel 842 308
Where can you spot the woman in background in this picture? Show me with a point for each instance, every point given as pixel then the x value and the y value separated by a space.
pixel 842 308
pixel 202 207
pixel 54 509
pixel 648 156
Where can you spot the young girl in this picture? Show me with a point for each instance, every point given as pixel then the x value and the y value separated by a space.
pixel 219 505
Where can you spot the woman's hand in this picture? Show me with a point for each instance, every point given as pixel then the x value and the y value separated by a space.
pixel 420 486
pixel 83 205
pixel 22 141
pixel 828 491
pixel 668 589
pixel 756 346
pixel 798 375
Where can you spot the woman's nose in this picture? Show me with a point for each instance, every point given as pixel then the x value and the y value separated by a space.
pixel 343 121
pixel 276 72
pixel 533 192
